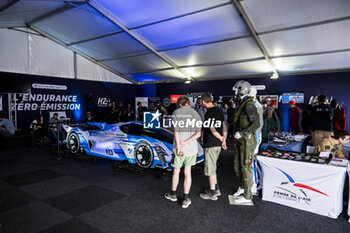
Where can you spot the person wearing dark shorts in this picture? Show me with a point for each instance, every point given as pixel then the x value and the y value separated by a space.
pixel 214 138
pixel 185 147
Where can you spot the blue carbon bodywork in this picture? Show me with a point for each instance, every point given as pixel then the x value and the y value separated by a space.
pixel 112 143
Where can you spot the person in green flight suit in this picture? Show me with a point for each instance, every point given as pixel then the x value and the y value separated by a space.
pixel 246 124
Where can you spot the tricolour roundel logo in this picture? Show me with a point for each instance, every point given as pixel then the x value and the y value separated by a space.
pixel 291 180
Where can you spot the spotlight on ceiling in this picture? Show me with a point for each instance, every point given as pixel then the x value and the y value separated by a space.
pixel 274 75
pixel 188 81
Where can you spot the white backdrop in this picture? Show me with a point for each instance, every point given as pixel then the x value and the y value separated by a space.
pixel 22 52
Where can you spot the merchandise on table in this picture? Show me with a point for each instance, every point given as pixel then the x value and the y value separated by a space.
pixel 279 138
pixel 296 156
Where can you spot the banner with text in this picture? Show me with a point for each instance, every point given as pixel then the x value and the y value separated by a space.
pixel 316 188
pixel 46 102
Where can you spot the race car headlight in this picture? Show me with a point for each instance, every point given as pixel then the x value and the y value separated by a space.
pixel 161 154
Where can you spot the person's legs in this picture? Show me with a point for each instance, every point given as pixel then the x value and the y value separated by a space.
pixel 54 135
pixel 238 167
pixel 246 164
pixel 177 164
pixel 187 186
pixel 211 157
pixel 236 162
pixel 4 132
pixel 189 161
pixel 212 162
pixel 188 179
pixel 246 154
pixel 317 136
pixel 212 181
pixel 175 179
pixel 38 134
pixel 43 132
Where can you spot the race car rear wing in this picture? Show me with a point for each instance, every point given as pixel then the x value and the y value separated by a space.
pixel 88 126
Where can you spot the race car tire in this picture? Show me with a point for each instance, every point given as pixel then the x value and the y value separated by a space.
pixel 144 155
pixel 73 142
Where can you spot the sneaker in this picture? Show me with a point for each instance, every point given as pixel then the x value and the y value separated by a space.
pixel 217 192
pixel 239 192
pixel 186 202
pixel 208 196
pixel 241 200
pixel 171 197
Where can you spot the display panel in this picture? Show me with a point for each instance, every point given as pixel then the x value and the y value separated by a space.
pixel 298 97
pixel 268 98
pixel 173 98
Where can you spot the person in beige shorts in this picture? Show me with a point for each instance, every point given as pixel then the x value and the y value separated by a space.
pixel 185 148
pixel 180 160
pixel 214 138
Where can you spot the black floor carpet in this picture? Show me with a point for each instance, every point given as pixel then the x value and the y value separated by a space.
pixel 41 194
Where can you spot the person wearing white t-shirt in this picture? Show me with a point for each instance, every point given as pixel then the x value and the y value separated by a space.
pixel 185 148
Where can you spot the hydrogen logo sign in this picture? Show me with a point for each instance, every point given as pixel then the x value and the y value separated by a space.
pixel 151 120
pixel 103 102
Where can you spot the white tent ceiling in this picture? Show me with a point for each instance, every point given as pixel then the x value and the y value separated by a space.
pixel 170 40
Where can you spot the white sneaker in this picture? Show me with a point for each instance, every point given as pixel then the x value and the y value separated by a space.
pixel 241 200
pixel 186 202
pixel 239 192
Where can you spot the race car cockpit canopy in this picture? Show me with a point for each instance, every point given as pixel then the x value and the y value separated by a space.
pixel 138 130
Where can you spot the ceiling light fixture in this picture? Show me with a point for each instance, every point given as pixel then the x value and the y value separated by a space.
pixel 188 81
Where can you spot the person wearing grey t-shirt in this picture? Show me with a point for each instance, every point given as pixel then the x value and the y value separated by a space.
pixel 6 126
pixel 186 133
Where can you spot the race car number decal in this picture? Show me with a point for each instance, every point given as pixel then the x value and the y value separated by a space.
pixel 109 152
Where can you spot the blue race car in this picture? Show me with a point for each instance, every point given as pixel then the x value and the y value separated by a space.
pixel 129 141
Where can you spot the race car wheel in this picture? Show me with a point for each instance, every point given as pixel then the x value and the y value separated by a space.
pixel 143 155
pixel 73 142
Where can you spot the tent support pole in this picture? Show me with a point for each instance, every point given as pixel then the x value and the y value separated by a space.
pixel 8 4
pixel 254 34
pixel 117 22
pixel 75 65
